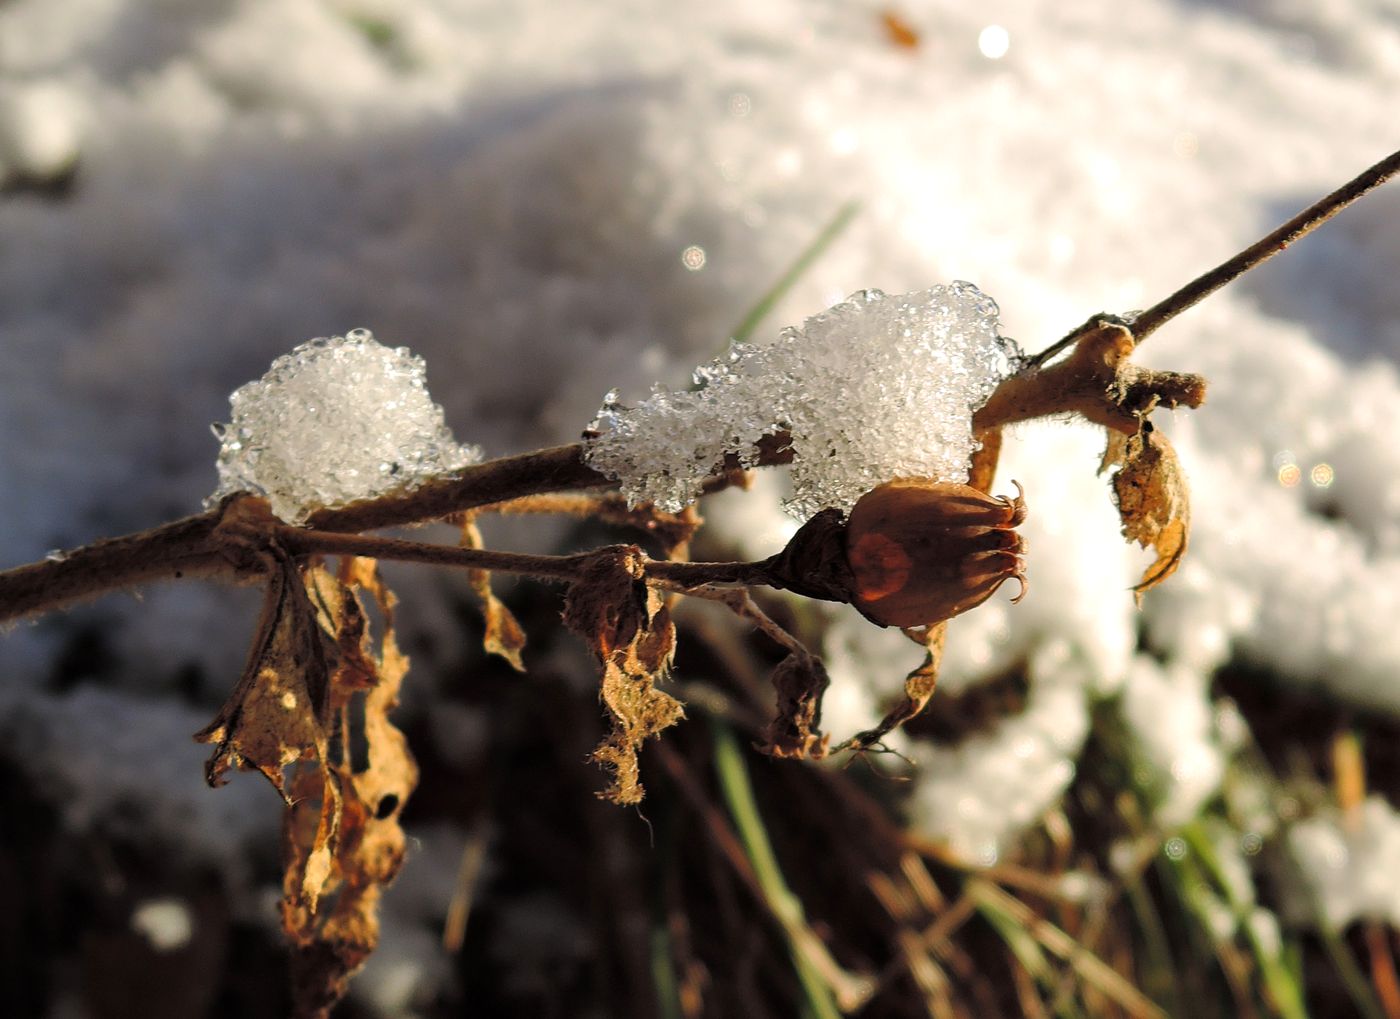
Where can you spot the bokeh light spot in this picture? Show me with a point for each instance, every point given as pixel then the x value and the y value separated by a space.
pixel 994 41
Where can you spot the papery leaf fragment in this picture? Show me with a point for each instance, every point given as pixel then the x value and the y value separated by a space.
pixel 504 636
pixel 1154 501
pixel 799 680
pixel 628 626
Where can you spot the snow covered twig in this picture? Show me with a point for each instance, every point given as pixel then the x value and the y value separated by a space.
pixel 191 548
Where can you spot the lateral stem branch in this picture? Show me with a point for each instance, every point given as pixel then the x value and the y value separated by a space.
pixel 192 547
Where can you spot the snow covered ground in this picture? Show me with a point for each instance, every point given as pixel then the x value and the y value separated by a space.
pixel 548 200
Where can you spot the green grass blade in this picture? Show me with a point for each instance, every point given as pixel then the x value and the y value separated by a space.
pixel 804 261
pixel 1284 989
pixel 807 949
pixel 663 972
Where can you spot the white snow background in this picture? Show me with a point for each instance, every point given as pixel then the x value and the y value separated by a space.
pixel 546 200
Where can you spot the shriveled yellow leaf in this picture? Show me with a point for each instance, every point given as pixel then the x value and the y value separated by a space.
pixel 1154 501
pixel 629 628
pixel 503 636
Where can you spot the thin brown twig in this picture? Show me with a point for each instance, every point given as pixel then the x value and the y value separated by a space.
pixel 1266 247
pixel 741 603
pixel 546 567
pixel 195 547
pixel 1093 387
pixel 1149 321
pixel 189 547
pixel 700 578
pixel 182 548
pixel 682 577
pixel 557 469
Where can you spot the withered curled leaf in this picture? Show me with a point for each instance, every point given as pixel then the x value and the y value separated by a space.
pixel 371 772
pixel 1154 501
pixel 919 687
pixel 310 671
pixel 504 635
pixel 278 711
pixel 628 626
pixel 795 731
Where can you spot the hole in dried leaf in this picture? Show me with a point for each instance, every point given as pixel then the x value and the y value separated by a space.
pixel 386 807
pixel 356 741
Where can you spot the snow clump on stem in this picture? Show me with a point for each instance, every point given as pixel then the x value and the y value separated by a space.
pixel 877 387
pixel 337 420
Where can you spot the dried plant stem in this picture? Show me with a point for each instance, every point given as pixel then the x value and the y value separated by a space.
pixel 1149 321
pixel 1266 247
pixel 191 547
pixel 686 578
pixel 545 567
pixel 172 551
pixel 557 469
pixel 698 578
pixel 195 546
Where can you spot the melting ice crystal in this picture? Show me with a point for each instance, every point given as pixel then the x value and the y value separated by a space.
pixel 339 419
pixel 876 387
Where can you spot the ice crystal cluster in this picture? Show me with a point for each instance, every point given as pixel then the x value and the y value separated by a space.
pixel 337 420
pixel 875 387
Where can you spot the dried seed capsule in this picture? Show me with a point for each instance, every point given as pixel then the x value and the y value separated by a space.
pixel 922 551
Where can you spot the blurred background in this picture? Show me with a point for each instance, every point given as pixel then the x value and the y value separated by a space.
pixel 1104 812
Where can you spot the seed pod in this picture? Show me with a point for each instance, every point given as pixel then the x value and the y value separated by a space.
pixel 922 551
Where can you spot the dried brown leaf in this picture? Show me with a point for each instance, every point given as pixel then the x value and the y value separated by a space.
pixel 1154 501
pixel 795 731
pixel 628 626
pixel 345 634
pixel 371 774
pixel 310 828
pixel 311 660
pixel 504 635
pixel 278 712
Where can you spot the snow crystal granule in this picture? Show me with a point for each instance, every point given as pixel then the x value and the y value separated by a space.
pixel 337 420
pixel 873 388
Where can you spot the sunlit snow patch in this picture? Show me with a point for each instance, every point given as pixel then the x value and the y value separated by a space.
pixel 337 420
pixel 1348 863
pixel 876 387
